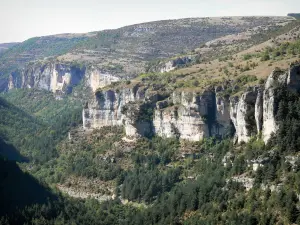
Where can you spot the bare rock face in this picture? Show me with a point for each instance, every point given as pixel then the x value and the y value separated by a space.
pixel 136 123
pixel 180 122
pixel 116 108
pixel 270 124
pixel 59 78
pixel 256 109
pixel 55 77
pixel 186 115
pixel 104 110
pixel 98 79
pixel 185 118
pixel 191 115
pixel 243 115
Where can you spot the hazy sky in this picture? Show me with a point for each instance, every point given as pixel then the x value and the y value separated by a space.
pixel 22 19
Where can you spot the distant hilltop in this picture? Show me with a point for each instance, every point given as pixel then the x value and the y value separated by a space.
pixel 295 15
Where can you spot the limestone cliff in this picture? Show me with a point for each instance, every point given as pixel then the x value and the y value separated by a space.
pixel 193 115
pixel 185 118
pixel 285 79
pixel 259 110
pixel 187 115
pixel 242 113
pixel 269 103
pixel 117 107
pixel 59 78
pixel 99 79
pixel 55 77
pixel 255 111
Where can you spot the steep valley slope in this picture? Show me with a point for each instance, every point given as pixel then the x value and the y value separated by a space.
pixel 181 140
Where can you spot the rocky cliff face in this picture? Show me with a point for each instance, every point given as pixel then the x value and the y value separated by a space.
pixel 193 115
pixel 167 66
pixel 185 118
pixel 186 115
pixel 113 107
pixel 59 78
pixel 98 79
pixel 242 113
pixel 255 111
pixel 55 77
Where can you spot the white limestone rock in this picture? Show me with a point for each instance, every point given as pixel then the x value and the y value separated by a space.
pixel 270 124
pixel 242 113
pixel 59 78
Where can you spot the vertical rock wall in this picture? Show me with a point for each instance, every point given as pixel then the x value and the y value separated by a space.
pixel 243 115
pixel 192 115
pixel 59 78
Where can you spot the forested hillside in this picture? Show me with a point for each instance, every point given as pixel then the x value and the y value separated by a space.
pixel 35 129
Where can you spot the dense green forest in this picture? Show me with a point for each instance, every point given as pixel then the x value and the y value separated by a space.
pixel 38 124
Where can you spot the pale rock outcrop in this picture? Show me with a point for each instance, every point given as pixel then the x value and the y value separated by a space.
pixel 180 122
pixel 246 181
pixel 270 124
pixel 192 116
pixel 261 104
pixel 173 64
pixel 187 115
pixel 257 163
pixel 98 79
pixel 55 77
pixel 59 78
pixel 116 108
pixel 185 118
pixel 228 159
pixel 242 114
pixel 289 80
pixel 104 109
